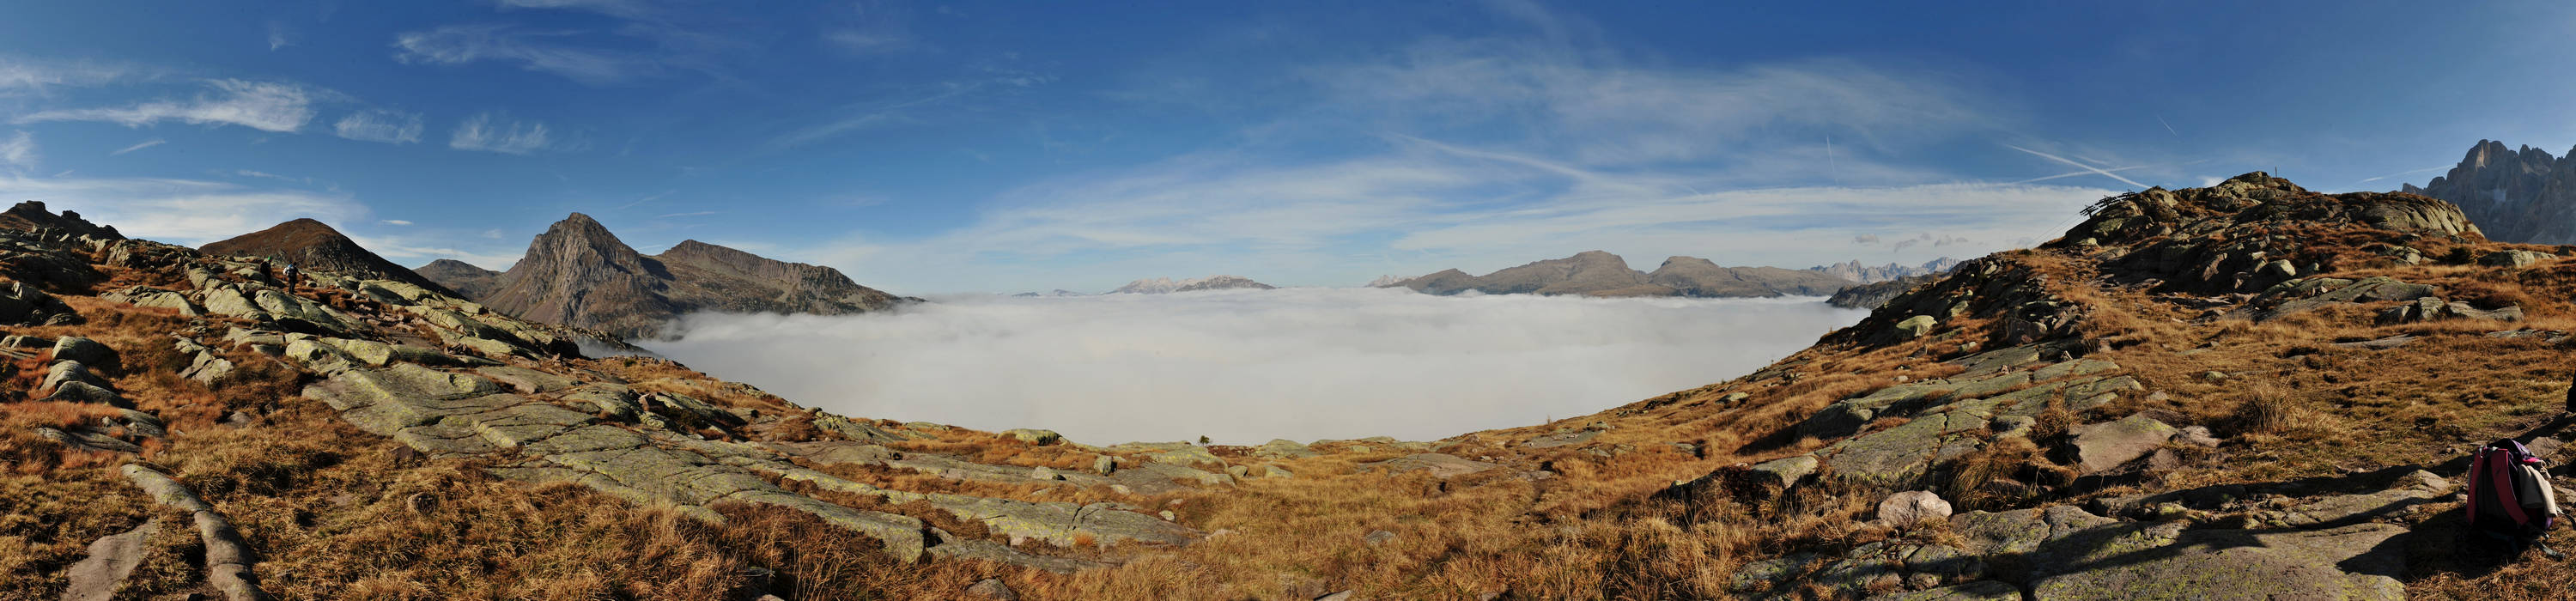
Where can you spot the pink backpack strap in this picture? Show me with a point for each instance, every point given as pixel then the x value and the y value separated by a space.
pixel 2502 480
pixel 2477 471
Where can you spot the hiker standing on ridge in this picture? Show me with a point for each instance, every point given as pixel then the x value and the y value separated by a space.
pixel 290 276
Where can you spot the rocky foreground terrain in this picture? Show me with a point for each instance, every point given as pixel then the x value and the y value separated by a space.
pixel 2242 391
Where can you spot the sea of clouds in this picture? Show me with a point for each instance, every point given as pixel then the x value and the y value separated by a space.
pixel 1246 366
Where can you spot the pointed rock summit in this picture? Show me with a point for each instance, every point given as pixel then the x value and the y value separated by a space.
pixel 315 246
pixel 578 273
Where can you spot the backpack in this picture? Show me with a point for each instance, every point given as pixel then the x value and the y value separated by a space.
pixel 2509 496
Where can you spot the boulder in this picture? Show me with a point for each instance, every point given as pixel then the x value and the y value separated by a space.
pixel 68 371
pixel 84 350
pixel 2101 447
pixel 111 559
pixel 21 304
pixel 1913 507
pixel 1785 472
pixel 1914 327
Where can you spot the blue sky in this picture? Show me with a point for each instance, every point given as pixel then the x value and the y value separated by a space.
pixel 950 147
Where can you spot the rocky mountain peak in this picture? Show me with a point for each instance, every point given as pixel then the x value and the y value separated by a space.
pixel 2515 196
pixel 578 273
pixel 313 245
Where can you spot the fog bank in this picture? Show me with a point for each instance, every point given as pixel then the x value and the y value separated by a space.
pixel 1244 366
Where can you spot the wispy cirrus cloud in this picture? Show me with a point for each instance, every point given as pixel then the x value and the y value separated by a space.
pixel 492 133
pixel 908 105
pixel 139 146
pixel 545 51
pixel 380 125
pixel 18 150
pixel 265 106
pixel 21 74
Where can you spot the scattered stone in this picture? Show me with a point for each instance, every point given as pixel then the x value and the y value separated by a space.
pixel 1104 465
pixel 1282 449
pixel 67 371
pixel 992 588
pixel 2382 343
pixel 2213 376
pixel 1913 507
pixel 1378 537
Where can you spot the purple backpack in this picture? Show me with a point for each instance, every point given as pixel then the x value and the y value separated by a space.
pixel 2508 492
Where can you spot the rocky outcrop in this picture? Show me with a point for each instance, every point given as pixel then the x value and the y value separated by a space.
pixel 579 274
pixel 2245 234
pixel 2515 195
pixel 1168 285
pixel 228 559
pixel 467 280
pixel 313 246
pixel 32 216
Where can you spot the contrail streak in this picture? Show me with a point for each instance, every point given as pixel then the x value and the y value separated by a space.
pixel 2095 170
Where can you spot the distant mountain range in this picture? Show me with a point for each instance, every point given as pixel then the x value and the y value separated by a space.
pixel 1167 285
pixel 1598 273
pixel 1059 292
pixel 311 245
pixel 577 273
pixel 2512 195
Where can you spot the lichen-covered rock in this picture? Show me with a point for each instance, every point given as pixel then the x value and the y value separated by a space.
pixel 2511 258
pixel 1912 507
pixel 1437 465
pixel 1914 327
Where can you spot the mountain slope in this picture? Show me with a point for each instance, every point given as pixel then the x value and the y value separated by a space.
pixel 468 280
pixel 578 273
pixel 313 246
pixel 31 214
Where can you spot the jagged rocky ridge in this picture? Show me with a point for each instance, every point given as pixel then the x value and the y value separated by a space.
pixel 1168 285
pixel 1867 274
pixel 577 273
pixel 1597 273
pixel 2522 195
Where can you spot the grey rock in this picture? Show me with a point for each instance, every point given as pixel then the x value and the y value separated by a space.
pixel 1786 471
pixel 111 559
pixel 84 392
pixel 68 371
pixel 1914 327
pixel 1282 449
pixel 84 350
pixel 1437 465
pixel 1913 507
pixel 1034 436
pixel 2101 447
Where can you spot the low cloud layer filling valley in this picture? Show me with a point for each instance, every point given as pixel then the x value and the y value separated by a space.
pixel 1244 367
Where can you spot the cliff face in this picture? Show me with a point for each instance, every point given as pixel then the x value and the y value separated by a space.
pixel 2514 195
pixel 313 245
pixel 578 273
